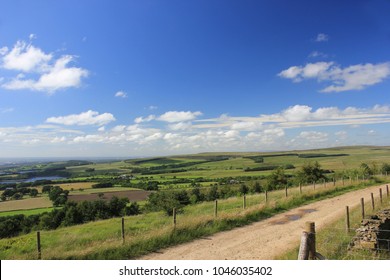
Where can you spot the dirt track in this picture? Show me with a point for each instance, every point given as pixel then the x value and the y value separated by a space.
pixel 265 239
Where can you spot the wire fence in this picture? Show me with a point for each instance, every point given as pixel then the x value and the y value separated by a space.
pixel 364 233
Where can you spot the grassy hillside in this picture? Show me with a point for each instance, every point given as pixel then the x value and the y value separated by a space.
pixel 152 231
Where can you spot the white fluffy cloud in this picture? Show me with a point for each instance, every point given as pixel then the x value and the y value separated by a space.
pixel 86 118
pixel 145 119
pixel 354 77
pixel 179 116
pixel 121 94
pixel 25 57
pixel 297 113
pixel 39 71
pixel 322 37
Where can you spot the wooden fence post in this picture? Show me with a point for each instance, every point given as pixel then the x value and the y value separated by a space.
pixel 304 247
pixel 123 230
pixel 300 188
pixel 244 202
pixel 324 183
pixel 174 217
pixel 380 195
pixel 286 191
pixel 216 208
pixel 39 245
pixel 334 181
pixel 372 201
pixel 343 182
pixel 311 229
pixel 362 205
pixel 314 185
pixel 266 196
pixel 387 190
pixel 347 223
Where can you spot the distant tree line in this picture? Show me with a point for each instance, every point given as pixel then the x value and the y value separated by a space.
pixel 18 193
pixel 71 214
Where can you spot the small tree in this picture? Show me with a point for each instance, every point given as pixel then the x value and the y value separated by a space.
pixel 33 192
pixel 212 193
pixel 257 188
pixel 277 179
pixel 310 172
pixel 365 170
pixel 385 168
pixel 132 209
pixel 244 189
pixel 58 196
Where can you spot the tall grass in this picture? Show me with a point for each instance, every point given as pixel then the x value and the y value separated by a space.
pixel 153 231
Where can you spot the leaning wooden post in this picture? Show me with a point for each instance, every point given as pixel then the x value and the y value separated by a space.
pixel 380 195
pixel 123 230
pixel 300 188
pixel 311 229
pixel 347 223
pixel 372 201
pixel 304 247
pixel 244 202
pixel 362 205
pixel 39 245
pixel 286 191
pixel 174 216
pixel 216 208
pixel 266 196
pixel 387 190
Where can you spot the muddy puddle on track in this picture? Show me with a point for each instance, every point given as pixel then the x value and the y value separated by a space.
pixel 294 217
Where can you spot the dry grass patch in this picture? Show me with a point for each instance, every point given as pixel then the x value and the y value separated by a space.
pixel 24 204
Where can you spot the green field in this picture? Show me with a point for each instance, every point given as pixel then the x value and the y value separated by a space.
pixel 26 212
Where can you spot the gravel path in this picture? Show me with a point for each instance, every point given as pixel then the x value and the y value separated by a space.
pixel 268 238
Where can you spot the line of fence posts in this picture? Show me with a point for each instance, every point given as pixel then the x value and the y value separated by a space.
pixel 244 203
pixel 308 235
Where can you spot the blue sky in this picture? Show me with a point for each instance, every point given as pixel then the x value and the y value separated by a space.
pixel 143 78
